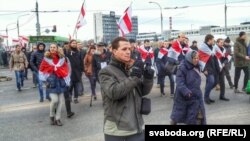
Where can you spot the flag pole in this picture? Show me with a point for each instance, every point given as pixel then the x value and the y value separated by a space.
pixel 75 30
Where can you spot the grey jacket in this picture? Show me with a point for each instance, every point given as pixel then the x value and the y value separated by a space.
pixel 122 96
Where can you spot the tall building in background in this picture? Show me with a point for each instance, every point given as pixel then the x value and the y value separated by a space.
pixel 105 27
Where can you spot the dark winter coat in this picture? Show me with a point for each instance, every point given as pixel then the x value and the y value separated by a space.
pixel 36 59
pixel 122 96
pixel 98 60
pixel 162 64
pixel 212 65
pixel 185 109
pixel 240 52
pixel 135 55
pixel 76 60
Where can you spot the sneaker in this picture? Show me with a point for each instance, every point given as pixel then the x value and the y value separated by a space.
pixel 52 121
pixel 232 86
pixel 48 98
pixel 58 122
pixel 243 90
pixel 41 100
pixel 172 95
pixel 224 99
pixel 237 91
pixel 19 90
pixel 211 101
pixel 76 101
pixel 95 98
pixel 70 114
pixel 207 101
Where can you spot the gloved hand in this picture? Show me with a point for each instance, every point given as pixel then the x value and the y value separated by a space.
pixel 136 71
pixel 148 73
pixel 188 96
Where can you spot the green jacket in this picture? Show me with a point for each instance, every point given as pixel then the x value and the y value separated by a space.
pixel 122 96
pixel 240 52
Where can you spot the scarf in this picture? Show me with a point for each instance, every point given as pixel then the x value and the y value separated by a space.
pixel 56 65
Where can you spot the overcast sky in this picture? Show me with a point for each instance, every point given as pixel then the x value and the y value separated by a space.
pixel 148 14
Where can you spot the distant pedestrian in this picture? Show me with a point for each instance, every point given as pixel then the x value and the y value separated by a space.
pixel 147 53
pixel 89 70
pixel 210 66
pixel 101 58
pixel 34 77
pixel 228 65
pixel 76 60
pixel 35 61
pixel 26 69
pixel 163 59
pixel 194 46
pixel 241 61
pixel 54 71
pixel 188 102
pixel 18 63
pixel 82 56
pixel 223 60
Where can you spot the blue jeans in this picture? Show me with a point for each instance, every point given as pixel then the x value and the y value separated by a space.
pixel 162 83
pixel 92 80
pixel 19 78
pixel 40 86
pixel 210 84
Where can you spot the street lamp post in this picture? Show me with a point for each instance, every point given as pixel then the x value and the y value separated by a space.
pixel 161 15
pixel 7 34
pixel 225 17
pixel 167 8
pixel 18 33
pixel 176 7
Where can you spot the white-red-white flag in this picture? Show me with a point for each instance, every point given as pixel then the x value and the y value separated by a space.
pixel 162 52
pixel 125 22
pixel 4 36
pixel 23 40
pixel 204 54
pixel 175 50
pixel 81 20
pixel 15 42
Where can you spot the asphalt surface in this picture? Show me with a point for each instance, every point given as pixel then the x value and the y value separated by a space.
pixel 24 118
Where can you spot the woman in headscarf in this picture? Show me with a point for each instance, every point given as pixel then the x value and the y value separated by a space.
pixel 188 102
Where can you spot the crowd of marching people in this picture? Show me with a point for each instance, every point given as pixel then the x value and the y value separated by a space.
pixel 125 71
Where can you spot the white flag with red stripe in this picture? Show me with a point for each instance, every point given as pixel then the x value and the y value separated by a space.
pixel 162 52
pixel 219 54
pixel 146 53
pixel 81 20
pixel 175 50
pixel 4 36
pixel 125 22
pixel 15 42
pixel 23 40
pixel 204 53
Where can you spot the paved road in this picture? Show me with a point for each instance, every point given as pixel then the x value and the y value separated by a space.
pixel 23 118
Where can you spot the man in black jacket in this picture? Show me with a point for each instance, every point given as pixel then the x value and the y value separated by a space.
pixel 35 61
pixel 76 62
